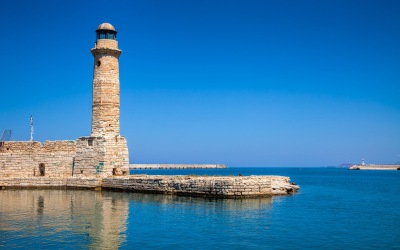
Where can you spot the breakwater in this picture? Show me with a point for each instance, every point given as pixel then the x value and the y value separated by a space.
pixel 203 186
pixel 175 166
pixel 376 167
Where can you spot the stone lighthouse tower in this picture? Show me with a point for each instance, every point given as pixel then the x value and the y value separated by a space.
pixel 105 102
pixel 105 151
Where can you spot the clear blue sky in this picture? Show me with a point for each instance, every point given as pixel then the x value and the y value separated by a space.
pixel 245 83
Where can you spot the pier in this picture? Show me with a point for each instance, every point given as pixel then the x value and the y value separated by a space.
pixel 185 185
pixel 375 167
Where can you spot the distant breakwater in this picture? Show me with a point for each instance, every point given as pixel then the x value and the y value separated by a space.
pixel 175 166
pixel 376 167
pixel 196 186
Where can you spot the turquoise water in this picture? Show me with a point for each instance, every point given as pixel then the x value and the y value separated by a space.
pixel 335 209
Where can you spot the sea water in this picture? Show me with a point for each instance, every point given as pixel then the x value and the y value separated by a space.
pixel 334 209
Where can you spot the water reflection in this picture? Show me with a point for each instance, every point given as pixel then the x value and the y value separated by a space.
pixel 75 218
pixel 224 204
pixel 82 218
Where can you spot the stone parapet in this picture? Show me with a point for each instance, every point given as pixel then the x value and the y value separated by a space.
pixel 36 147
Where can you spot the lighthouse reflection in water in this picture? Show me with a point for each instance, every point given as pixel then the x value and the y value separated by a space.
pixel 77 219
pixel 62 219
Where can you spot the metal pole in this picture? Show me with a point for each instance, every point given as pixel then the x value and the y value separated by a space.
pixel 31 123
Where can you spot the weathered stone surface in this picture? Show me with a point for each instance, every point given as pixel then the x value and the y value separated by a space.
pixel 210 186
pixel 101 156
pixel 106 90
pixel 24 158
pixel 49 182
pixel 281 185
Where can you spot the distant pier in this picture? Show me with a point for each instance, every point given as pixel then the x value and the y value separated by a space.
pixel 175 166
pixel 375 167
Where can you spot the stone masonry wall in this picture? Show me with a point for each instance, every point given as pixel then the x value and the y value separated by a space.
pixel 25 158
pixel 49 182
pixel 210 186
pixel 106 90
pixel 117 157
pixel 102 157
pixel 106 43
pixel 89 158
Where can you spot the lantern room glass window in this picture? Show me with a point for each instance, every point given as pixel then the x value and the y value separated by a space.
pixel 106 34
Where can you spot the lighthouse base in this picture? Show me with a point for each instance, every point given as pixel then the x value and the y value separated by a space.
pixel 101 156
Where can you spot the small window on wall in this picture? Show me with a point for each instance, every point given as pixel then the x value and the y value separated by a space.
pixel 42 169
pixel 90 143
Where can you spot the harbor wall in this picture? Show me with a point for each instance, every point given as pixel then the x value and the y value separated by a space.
pixel 174 166
pixel 32 158
pixel 210 186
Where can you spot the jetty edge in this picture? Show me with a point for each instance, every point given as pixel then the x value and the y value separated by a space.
pixel 184 185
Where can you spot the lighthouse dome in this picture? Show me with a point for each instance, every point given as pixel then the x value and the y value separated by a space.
pixel 106 26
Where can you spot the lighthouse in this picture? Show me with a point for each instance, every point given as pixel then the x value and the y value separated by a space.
pixel 106 91
pixel 105 151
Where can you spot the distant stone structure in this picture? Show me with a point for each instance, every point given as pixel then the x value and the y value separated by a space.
pixel 375 167
pixel 364 166
pixel 104 152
